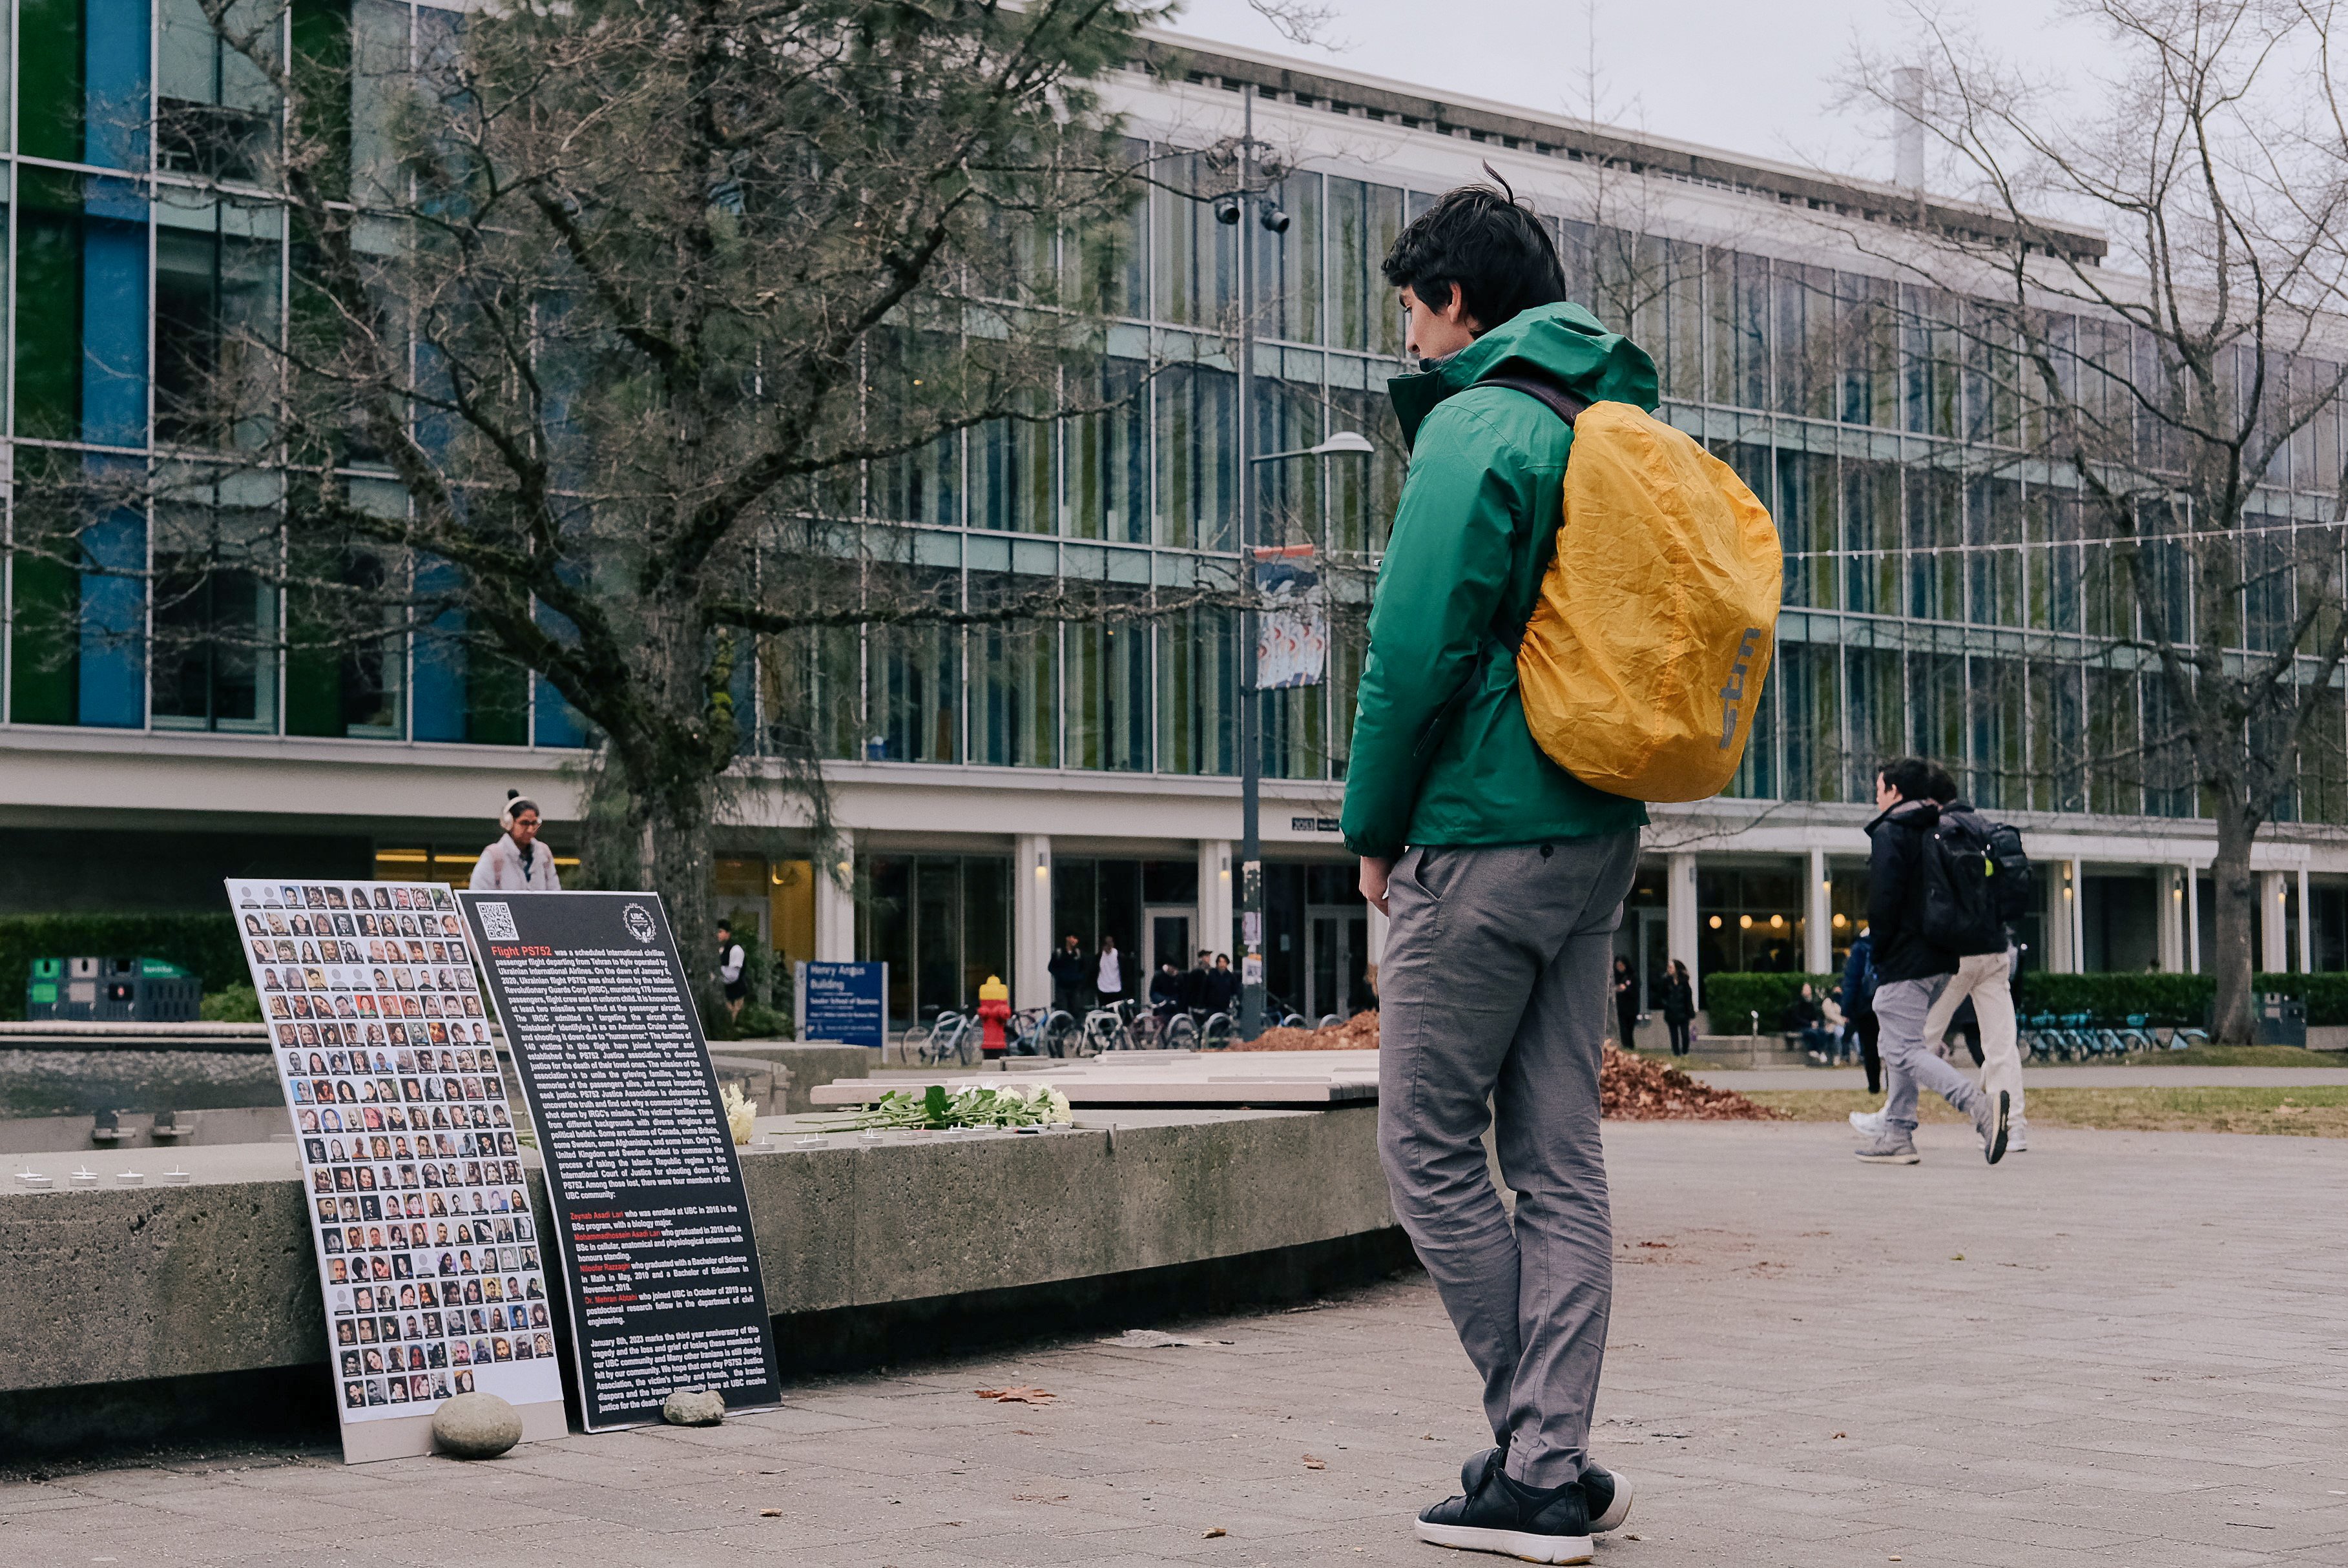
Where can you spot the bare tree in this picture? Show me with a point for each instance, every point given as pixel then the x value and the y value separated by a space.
pixel 643 312
pixel 2184 396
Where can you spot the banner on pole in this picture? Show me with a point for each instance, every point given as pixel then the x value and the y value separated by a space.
pixel 1292 641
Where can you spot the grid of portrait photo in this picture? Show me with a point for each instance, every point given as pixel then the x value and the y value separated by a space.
pixel 427 1250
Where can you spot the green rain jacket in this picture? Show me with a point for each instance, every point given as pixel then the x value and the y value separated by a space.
pixel 1475 529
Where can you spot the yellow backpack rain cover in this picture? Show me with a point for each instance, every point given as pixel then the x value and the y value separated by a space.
pixel 1644 661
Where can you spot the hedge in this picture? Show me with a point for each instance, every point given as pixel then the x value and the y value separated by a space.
pixel 1730 997
pixel 206 944
pixel 2169 1000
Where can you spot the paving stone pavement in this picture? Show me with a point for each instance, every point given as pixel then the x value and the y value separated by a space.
pixel 2128 1350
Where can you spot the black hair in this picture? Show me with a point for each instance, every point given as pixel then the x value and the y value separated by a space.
pixel 725 925
pixel 1912 778
pixel 1944 786
pixel 1481 242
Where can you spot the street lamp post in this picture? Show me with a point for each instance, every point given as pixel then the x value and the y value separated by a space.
pixel 1231 209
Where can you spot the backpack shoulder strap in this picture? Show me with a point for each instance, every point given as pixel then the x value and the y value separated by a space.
pixel 1568 407
pixel 1546 392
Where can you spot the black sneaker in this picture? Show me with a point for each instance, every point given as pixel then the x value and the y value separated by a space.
pixel 1605 1497
pixel 1500 1516
pixel 1995 1122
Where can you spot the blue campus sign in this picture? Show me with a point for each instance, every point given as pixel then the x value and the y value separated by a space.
pixel 846 1002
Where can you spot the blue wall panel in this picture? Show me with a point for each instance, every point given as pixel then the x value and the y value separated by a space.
pixel 114 320
pixel 115 69
pixel 437 690
pixel 114 625
pixel 558 723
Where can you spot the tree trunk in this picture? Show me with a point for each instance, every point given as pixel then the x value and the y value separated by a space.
pixel 2231 959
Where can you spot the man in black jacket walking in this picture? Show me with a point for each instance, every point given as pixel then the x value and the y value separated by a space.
pixel 1911 969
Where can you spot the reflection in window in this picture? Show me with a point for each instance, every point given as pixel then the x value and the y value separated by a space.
pixel 1198 493
pixel 915 693
pixel 214 664
pixel 215 115
pixel 1197 709
pixel 1109 695
pixel 1109 460
pixel 216 310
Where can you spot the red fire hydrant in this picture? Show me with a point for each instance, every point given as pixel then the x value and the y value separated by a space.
pixel 994 1013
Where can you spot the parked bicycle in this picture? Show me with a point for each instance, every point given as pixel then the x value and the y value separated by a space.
pixel 950 1037
pixel 1040 1031
pixel 1106 1028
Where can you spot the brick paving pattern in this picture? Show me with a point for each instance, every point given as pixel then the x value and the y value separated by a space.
pixel 2119 1350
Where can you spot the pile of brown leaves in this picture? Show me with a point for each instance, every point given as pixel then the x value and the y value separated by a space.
pixel 1359 1032
pixel 1631 1089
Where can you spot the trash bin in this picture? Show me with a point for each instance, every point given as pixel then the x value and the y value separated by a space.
pixel 117 991
pixel 2281 1019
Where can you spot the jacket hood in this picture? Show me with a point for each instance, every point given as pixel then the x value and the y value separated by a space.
pixel 1926 816
pixel 1560 342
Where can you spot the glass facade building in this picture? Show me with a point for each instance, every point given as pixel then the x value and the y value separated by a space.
pixel 1942 595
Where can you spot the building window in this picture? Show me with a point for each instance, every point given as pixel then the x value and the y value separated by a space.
pixel 1749 917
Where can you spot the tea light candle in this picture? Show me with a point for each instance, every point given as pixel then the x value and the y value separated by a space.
pixel 34 1179
pixel 175 1177
pixel 83 1178
pixel 130 1178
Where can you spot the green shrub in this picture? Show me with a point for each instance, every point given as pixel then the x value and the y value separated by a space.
pixel 1730 997
pixel 2169 1000
pixel 759 1021
pixel 232 1004
pixel 205 944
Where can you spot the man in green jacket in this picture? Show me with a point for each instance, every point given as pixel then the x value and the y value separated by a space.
pixel 1503 876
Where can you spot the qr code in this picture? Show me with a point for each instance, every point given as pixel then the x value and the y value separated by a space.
pixel 497 922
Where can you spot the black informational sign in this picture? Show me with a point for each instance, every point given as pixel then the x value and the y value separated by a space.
pixel 660 1265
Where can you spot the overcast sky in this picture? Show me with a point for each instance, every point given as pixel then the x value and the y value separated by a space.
pixel 1755 77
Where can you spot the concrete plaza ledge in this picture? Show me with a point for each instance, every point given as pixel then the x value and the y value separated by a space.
pixel 149 1311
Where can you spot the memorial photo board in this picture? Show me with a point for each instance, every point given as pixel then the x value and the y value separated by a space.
pixel 429 1258
pixel 660 1264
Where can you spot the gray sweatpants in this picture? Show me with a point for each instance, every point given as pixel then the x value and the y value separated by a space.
pixel 1903 1006
pixel 1492 1003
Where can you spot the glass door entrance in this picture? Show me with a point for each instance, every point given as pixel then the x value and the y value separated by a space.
pixel 1165 939
pixel 1337 959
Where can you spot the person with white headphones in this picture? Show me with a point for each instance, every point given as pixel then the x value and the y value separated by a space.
pixel 515 862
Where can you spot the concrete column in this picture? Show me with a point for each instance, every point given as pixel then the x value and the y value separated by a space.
pixel 1817 935
pixel 835 906
pixel 2306 929
pixel 2063 918
pixel 2193 920
pixel 2274 950
pixel 2078 916
pixel 1031 921
pixel 1216 891
pixel 2169 917
pixel 1679 917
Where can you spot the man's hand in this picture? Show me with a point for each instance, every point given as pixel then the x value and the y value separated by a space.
pixel 1376 869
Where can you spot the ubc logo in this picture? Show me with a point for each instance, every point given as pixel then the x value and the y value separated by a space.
pixel 1733 693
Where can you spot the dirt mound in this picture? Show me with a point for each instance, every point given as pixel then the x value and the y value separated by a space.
pixel 1631 1089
